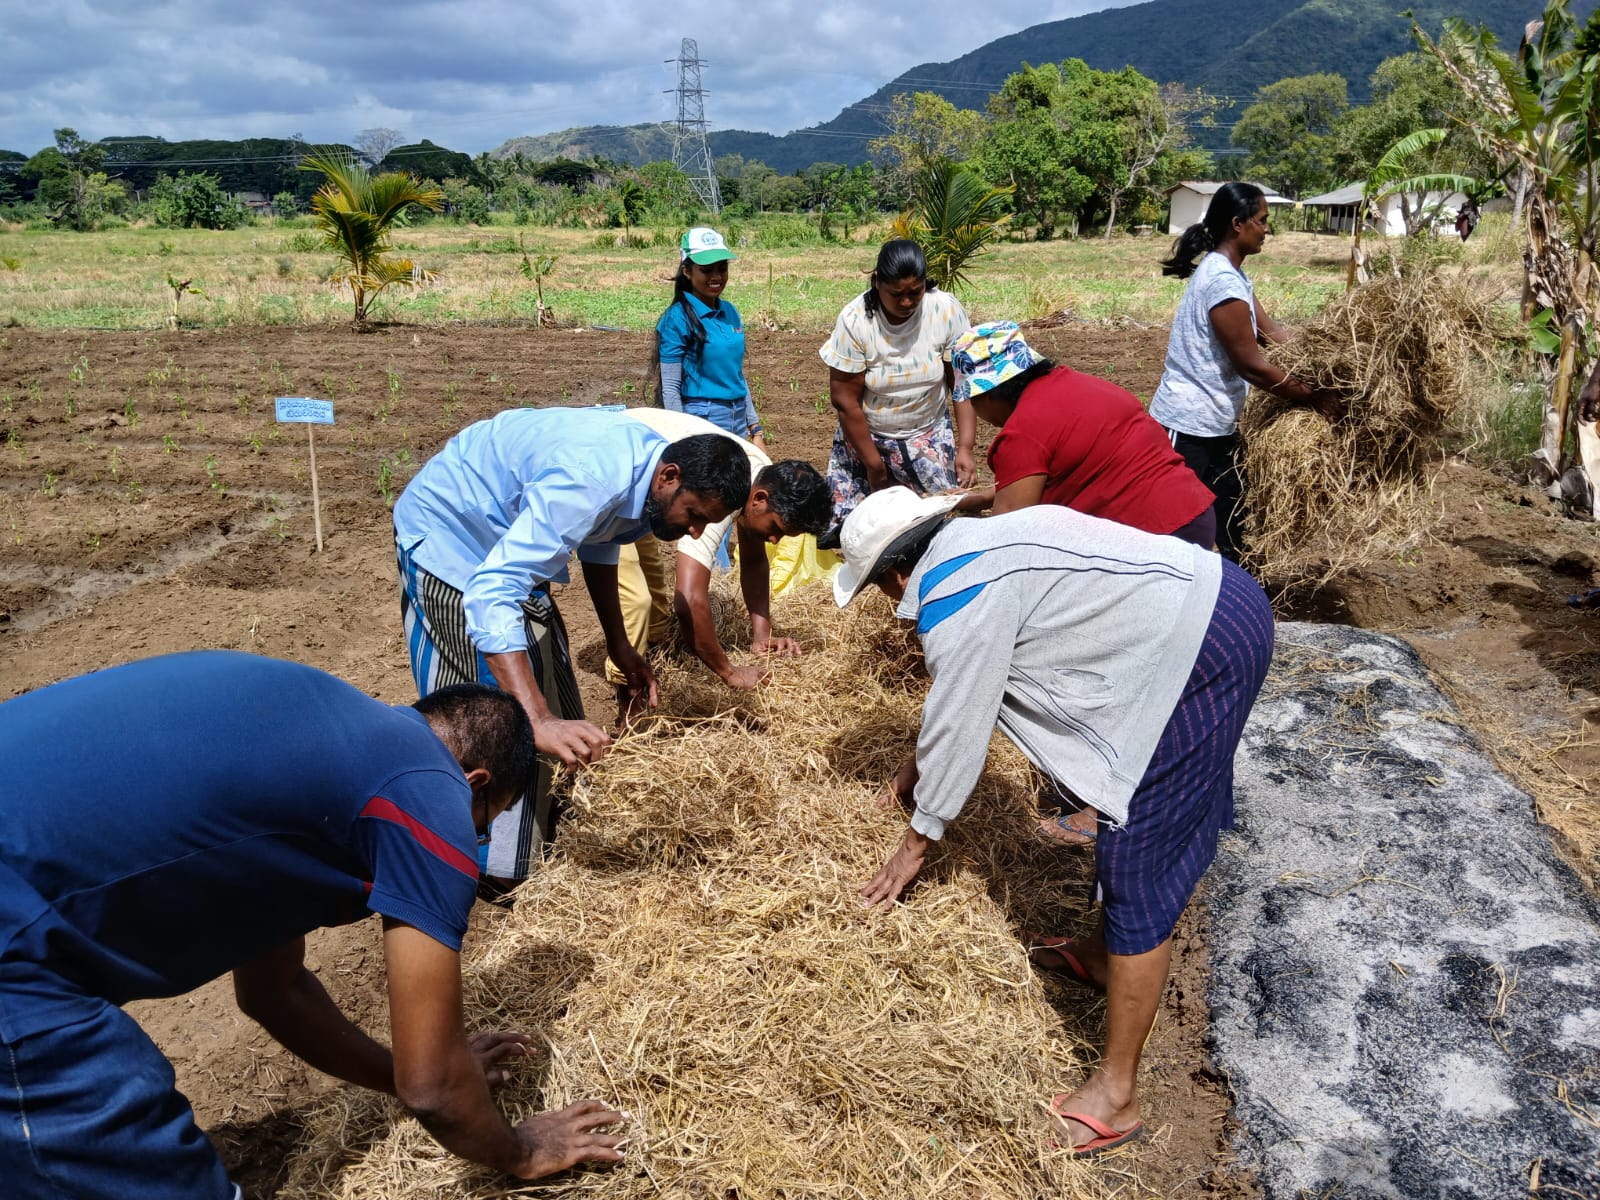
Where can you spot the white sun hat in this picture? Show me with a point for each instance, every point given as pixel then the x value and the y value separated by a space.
pixel 877 523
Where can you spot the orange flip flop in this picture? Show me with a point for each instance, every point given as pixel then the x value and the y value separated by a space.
pixel 1070 965
pixel 1105 1138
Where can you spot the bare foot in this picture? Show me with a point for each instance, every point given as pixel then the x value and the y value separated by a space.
pixel 554 1141
pixel 1090 1121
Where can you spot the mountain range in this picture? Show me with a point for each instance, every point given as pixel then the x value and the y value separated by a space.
pixel 1229 50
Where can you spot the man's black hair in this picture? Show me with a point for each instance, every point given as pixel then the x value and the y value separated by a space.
pixel 712 464
pixel 798 494
pixel 906 551
pixel 484 727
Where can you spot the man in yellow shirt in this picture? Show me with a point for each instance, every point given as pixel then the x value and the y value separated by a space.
pixel 786 498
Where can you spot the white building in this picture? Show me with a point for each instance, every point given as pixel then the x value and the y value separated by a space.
pixel 1189 200
pixel 1388 216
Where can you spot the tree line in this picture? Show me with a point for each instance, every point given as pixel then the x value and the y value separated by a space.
pixel 1079 148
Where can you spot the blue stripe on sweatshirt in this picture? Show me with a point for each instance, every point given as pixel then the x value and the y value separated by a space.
pixel 935 611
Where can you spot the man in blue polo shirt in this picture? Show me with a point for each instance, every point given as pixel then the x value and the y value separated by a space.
pixel 492 519
pixel 167 821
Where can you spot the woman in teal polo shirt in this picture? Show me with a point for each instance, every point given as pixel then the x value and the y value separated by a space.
pixel 700 341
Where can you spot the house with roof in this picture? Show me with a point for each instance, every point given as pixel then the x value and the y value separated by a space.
pixel 1190 198
pixel 1386 215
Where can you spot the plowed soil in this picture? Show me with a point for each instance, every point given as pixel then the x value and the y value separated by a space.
pixel 149 503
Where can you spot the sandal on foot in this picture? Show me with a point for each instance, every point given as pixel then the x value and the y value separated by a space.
pixel 1063 832
pixel 1105 1138
pixel 1069 965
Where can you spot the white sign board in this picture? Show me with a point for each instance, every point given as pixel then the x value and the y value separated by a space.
pixel 303 410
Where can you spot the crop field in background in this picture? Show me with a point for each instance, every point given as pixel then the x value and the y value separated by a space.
pixel 274 273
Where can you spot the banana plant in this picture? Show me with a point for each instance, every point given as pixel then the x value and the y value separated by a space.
pixel 1538 114
pixel 355 210
pixel 954 216
pixel 1388 178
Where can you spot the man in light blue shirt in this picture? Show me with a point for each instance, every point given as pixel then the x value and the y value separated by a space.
pixel 492 519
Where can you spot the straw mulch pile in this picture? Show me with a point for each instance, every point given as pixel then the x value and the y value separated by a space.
pixel 696 954
pixel 1327 498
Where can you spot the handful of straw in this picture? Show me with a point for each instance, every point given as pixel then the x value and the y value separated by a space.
pixel 696 954
pixel 1323 498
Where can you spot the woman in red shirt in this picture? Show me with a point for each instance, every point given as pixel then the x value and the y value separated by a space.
pixel 1081 442
pixel 1075 440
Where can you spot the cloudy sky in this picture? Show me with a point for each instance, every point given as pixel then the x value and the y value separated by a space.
pixel 467 74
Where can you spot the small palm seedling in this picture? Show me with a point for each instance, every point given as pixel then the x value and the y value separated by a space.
pixel 355 210
pixel 954 217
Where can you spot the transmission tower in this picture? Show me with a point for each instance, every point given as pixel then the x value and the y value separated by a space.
pixel 690 154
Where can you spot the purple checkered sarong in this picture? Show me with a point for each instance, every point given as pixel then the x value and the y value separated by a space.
pixel 1147 869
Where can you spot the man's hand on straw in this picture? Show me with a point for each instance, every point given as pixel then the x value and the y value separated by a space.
pixel 573 742
pixel 742 679
pixel 902 787
pixel 491 1048
pixel 1329 403
pixel 557 1140
pixel 641 679
pixel 778 647
pixel 895 874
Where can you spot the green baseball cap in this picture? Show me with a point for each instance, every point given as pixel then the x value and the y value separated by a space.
pixel 705 246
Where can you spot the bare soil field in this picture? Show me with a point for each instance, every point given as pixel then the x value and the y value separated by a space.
pixel 149 503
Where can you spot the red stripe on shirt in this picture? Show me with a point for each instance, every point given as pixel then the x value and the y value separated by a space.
pixel 388 810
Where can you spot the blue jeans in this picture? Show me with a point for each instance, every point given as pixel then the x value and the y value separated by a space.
pixel 91 1111
pixel 728 416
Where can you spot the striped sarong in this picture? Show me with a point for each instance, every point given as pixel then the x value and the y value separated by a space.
pixel 442 653
pixel 1146 870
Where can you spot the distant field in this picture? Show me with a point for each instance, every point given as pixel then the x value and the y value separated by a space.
pixel 264 275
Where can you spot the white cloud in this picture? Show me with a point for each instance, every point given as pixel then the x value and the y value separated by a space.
pixel 465 75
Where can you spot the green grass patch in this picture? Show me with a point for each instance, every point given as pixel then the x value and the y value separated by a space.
pixel 785 276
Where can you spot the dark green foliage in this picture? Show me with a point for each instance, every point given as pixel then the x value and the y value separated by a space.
pixel 565 172
pixel 264 165
pixel 193 202
pixel 14 188
pixel 465 201
pixel 70 183
pixel 1230 51
pixel 428 161
pixel 1290 134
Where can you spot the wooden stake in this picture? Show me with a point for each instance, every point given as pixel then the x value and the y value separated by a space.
pixel 316 500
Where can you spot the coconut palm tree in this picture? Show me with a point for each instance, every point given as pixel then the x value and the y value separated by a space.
pixel 953 216
pixel 354 210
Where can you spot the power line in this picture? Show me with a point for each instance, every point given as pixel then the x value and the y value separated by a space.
pixel 690 154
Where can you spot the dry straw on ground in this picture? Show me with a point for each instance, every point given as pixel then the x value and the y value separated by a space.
pixel 696 955
pixel 1324 498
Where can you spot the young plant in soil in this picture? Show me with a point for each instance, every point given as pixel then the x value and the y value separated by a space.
pixel 180 288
